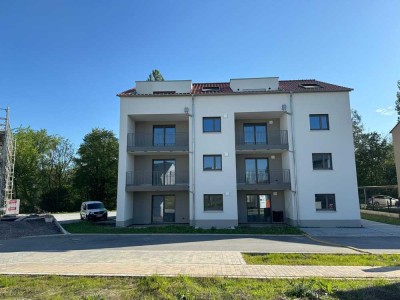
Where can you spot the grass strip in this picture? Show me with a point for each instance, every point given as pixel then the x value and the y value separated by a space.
pixel 186 288
pixel 311 259
pixel 381 219
pixel 92 227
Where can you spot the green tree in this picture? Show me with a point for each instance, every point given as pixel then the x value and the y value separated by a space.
pixel 33 148
pixel 397 103
pixel 57 176
pixel 374 156
pixel 97 167
pixel 155 75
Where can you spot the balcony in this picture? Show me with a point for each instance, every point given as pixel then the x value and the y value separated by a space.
pixel 142 181
pixel 264 180
pixel 143 142
pixel 273 140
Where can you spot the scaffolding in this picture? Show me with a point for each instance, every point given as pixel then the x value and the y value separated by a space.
pixel 7 159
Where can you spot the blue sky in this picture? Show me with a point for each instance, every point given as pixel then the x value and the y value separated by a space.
pixel 63 62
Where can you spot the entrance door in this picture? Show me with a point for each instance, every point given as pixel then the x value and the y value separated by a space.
pixel 163 209
pixel 257 171
pixel 163 172
pixel 259 208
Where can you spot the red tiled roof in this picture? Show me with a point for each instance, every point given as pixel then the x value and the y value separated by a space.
pixel 285 86
pixel 223 88
pixel 295 86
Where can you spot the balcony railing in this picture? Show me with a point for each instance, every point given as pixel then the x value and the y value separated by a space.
pixel 158 142
pixel 273 139
pixel 270 177
pixel 143 178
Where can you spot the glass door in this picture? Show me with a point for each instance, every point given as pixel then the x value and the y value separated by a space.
pixel 164 135
pixel 257 170
pixel 255 133
pixel 259 208
pixel 163 172
pixel 163 209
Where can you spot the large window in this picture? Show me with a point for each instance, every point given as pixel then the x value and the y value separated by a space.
pixel 322 161
pixel 213 202
pixel 163 209
pixel 164 135
pixel 212 124
pixel 325 202
pixel 255 133
pixel 163 172
pixel 212 162
pixel 257 171
pixel 319 122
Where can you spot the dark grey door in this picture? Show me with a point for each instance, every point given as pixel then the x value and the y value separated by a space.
pixel 163 209
pixel 259 208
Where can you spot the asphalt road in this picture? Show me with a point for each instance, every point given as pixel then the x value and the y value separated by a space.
pixel 171 242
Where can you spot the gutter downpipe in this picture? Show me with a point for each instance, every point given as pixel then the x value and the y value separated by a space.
pixel 296 200
pixel 192 190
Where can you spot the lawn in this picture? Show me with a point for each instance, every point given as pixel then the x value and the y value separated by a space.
pixel 311 259
pixel 185 288
pixel 92 227
pixel 381 219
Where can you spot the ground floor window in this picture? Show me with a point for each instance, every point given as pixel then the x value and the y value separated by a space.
pixel 259 208
pixel 163 209
pixel 213 202
pixel 325 202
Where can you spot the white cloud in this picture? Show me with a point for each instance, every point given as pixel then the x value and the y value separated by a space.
pixel 388 111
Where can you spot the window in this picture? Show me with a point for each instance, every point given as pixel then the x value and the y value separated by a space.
pixel 325 202
pixel 164 135
pixel 212 124
pixel 163 209
pixel 310 86
pixel 257 171
pixel 163 172
pixel 319 122
pixel 212 162
pixel 255 134
pixel 322 161
pixel 213 202
pixel 210 89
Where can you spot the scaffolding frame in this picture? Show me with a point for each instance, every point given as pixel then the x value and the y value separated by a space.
pixel 7 159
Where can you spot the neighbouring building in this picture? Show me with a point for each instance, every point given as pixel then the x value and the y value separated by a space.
pixel 252 150
pixel 396 148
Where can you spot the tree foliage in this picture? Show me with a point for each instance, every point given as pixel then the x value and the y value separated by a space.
pixel 155 75
pixel 42 166
pixel 374 156
pixel 97 167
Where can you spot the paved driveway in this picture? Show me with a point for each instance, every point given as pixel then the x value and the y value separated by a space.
pixel 373 237
pixel 64 218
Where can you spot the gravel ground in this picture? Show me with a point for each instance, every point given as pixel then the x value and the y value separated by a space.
pixel 27 227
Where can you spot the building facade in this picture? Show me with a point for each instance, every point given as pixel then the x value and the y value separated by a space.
pixel 248 151
pixel 396 148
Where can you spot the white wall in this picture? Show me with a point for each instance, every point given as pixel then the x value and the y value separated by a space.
pixel 223 182
pixel 338 140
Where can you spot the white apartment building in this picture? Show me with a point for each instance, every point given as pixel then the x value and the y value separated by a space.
pixel 248 151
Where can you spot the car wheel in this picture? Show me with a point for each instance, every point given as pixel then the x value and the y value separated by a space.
pixel 81 217
pixel 376 204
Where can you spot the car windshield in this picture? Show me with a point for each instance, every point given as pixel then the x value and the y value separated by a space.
pixel 95 205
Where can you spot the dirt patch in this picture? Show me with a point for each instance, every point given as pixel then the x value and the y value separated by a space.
pixel 27 227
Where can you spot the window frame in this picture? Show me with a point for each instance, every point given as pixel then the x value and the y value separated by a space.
pixel 323 161
pixel 213 129
pixel 326 199
pixel 214 156
pixel 207 197
pixel 320 121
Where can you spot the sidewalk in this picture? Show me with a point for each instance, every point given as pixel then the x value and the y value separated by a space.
pixel 173 263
